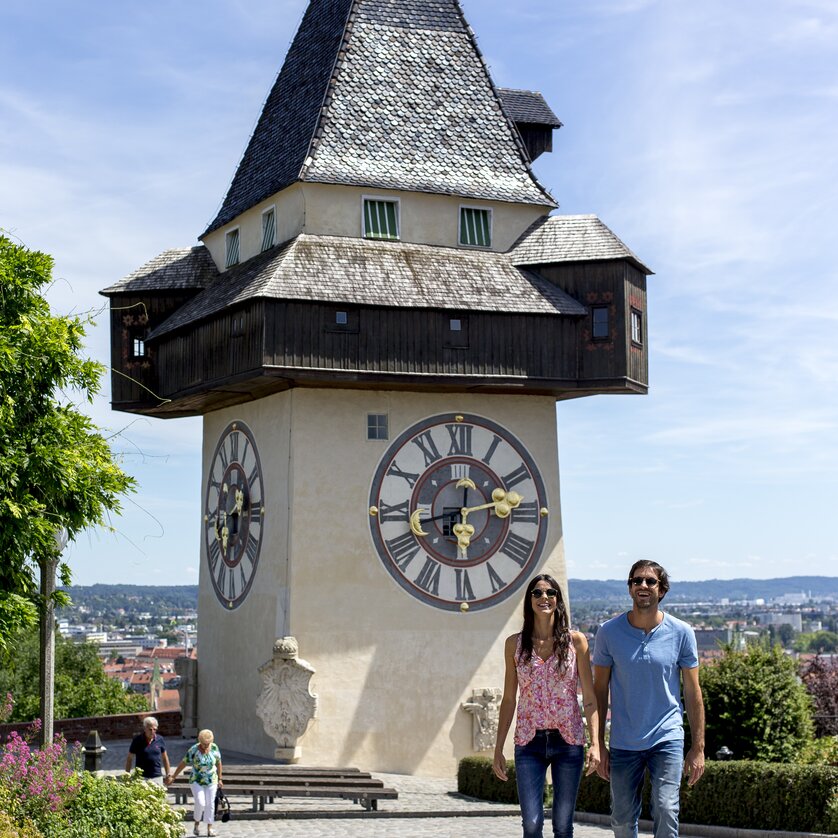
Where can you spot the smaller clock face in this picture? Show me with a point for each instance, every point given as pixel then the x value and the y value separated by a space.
pixel 234 513
pixel 458 512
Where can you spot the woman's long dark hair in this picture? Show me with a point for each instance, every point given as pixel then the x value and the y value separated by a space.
pixel 561 626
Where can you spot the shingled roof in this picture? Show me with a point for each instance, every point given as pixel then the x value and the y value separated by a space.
pixel 179 269
pixel 337 269
pixel 570 238
pixel 528 106
pixel 389 94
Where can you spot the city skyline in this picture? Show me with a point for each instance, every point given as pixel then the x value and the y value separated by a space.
pixel 703 136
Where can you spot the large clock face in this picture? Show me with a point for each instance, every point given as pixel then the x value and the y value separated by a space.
pixel 234 513
pixel 458 512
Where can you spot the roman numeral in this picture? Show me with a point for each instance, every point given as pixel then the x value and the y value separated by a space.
pixel 515 477
pixel 395 471
pixel 222 577
pixel 234 446
pixel 428 578
pixel 518 549
pixel 214 553
pixel 223 456
pixel 251 548
pixel 460 439
pixel 399 512
pixel 497 583
pixel 492 448
pixel 527 513
pixel 464 589
pixel 232 589
pixel 403 548
pixel 425 443
pixel 254 475
pixel 460 470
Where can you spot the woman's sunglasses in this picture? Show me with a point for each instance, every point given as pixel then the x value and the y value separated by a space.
pixel 537 593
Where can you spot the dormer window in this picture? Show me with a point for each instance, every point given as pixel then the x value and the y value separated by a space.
pixel 381 219
pixel 475 227
pixel 231 242
pixel 268 229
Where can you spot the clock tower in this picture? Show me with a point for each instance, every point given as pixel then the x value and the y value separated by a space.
pixel 376 328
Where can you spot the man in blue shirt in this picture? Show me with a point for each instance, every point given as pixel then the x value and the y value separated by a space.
pixel 149 750
pixel 640 658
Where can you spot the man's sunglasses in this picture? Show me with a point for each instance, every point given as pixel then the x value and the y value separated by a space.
pixel 537 593
pixel 637 581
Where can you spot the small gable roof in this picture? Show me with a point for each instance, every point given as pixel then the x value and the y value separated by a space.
pixel 389 94
pixel 179 269
pixel 352 271
pixel 570 238
pixel 529 107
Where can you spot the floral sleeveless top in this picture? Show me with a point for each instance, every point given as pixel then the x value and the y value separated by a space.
pixel 204 771
pixel 547 698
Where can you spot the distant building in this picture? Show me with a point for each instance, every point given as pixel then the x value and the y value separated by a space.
pixel 778 618
pixel 712 638
pixel 792 599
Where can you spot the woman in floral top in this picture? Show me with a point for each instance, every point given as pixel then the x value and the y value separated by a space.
pixel 204 759
pixel 544 664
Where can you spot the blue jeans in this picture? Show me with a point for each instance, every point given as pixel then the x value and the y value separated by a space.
pixel 531 760
pixel 665 763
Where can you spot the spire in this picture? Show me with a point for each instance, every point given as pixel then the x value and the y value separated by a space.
pixel 386 94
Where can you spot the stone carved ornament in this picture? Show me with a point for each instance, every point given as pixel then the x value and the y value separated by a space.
pixel 485 710
pixel 286 705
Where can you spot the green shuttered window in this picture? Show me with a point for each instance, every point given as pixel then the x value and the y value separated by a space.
pixel 232 248
pixel 381 219
pixel 268 229
pixel 475 227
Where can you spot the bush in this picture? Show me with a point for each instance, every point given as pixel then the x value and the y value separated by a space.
pixel 106 807
pixel 756 705
pixel 475 778
pixel 745 795
pixel 13 824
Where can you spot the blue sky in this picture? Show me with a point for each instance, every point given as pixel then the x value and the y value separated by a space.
pixel 704 134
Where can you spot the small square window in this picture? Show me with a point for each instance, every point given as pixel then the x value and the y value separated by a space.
pixel 475 227
pixel 636 327
pixel 232 248
pixel 377 426
pixel 455 324
pixel 268 229
pixel 457 335
pixel 599 323
pixel 381 219
pixel 137 347
pixel 237 325
pixel 341 318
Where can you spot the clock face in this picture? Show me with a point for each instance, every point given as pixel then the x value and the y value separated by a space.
pixel 234 513
pixel 458 512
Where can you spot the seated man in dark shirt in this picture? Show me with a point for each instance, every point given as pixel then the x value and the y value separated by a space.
pixel 150 751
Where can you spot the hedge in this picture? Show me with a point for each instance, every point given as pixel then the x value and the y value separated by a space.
pixel 740 794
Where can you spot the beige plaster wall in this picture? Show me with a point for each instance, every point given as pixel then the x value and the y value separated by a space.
pixel 332 210
pixel 391 672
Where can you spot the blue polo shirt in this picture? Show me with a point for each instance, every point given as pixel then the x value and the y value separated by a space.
pixel 645 684
pixel 149 755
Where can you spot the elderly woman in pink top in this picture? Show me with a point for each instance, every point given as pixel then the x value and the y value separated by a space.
pixel 544 664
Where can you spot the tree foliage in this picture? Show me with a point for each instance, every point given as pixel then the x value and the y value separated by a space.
pixel 820 675
pixel 818 642
pixel 81 686
pixel 56 469
pixel 756 705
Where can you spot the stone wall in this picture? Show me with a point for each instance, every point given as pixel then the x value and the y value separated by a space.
pixel 122 726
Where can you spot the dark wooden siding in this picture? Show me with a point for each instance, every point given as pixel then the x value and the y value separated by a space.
pixel 133 380
pixel 227 346
pixel 411 342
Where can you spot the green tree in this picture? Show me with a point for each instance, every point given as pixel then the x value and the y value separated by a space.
pixel 756 705
pixel 819 642
pixel 56 469
pixel 81 686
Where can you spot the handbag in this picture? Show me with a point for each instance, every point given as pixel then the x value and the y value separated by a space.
pixel 222 806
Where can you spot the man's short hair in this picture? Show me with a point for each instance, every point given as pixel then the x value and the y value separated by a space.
pixel 150 721
pixel 660 572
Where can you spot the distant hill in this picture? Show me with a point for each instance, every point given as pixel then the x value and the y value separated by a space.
pixel 711 589
pixel 184 597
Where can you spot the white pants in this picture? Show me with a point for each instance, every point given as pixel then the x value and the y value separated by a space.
pixel 204 799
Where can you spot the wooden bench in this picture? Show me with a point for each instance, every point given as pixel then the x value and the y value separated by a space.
pixel 264 783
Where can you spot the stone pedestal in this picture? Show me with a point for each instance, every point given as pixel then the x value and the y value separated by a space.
pixel 286 705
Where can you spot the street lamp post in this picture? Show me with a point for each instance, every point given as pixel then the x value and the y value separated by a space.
pixel 47 661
